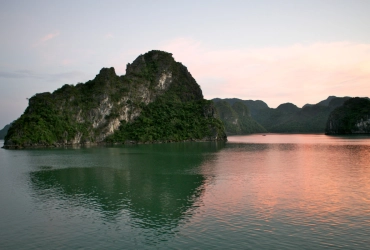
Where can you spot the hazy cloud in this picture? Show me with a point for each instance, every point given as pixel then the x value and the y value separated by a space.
pixel 71 75
pixel 19 74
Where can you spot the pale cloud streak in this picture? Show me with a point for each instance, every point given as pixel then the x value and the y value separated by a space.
pixel 46 38
pixel 298 73
pixel 49 36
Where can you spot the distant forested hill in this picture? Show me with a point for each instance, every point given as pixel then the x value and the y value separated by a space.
pixel 4 131
pixel 254 106
pixel 288 118
pixel 237 118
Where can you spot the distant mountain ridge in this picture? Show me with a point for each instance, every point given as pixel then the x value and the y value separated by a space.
pixel 4 131
pixel 287 117
pixel 253 106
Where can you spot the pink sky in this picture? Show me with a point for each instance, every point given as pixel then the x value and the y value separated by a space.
pixel 275 51
pixel 299 73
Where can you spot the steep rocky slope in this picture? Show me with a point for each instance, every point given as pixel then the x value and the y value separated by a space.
pixel 237 118
pixel 157 100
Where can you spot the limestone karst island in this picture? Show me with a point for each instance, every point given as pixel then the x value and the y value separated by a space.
pixel 157 100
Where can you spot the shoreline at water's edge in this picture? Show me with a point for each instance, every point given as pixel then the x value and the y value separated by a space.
pixel 353 133
pixel 128 142
pixel 132 142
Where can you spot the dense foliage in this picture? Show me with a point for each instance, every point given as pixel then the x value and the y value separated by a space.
pixel 50 118
pixel 42 123
pixel 352 117
pixel 170 121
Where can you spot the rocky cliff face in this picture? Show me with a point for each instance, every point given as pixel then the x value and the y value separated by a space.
pixel 351 118
pixel 362 125
pixel 94 111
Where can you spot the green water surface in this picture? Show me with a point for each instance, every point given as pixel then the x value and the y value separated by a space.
pixel 253 192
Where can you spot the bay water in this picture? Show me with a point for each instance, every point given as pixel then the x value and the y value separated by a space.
pixel 253 192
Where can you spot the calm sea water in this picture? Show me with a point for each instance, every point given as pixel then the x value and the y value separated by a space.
pixel 253 192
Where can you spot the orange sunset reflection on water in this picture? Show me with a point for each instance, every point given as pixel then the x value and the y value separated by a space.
pixel 294 179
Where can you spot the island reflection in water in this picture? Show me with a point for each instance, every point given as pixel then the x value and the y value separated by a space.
pixel 152 187
pixel 254 192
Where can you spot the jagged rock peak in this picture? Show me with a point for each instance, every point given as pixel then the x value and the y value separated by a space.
pixel 157 56
pixel 161 70
pixel 107 71
pixel 106 74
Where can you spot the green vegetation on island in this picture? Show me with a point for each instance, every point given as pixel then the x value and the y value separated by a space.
pixel 157 100
pixel 351 118
pixel 171 121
